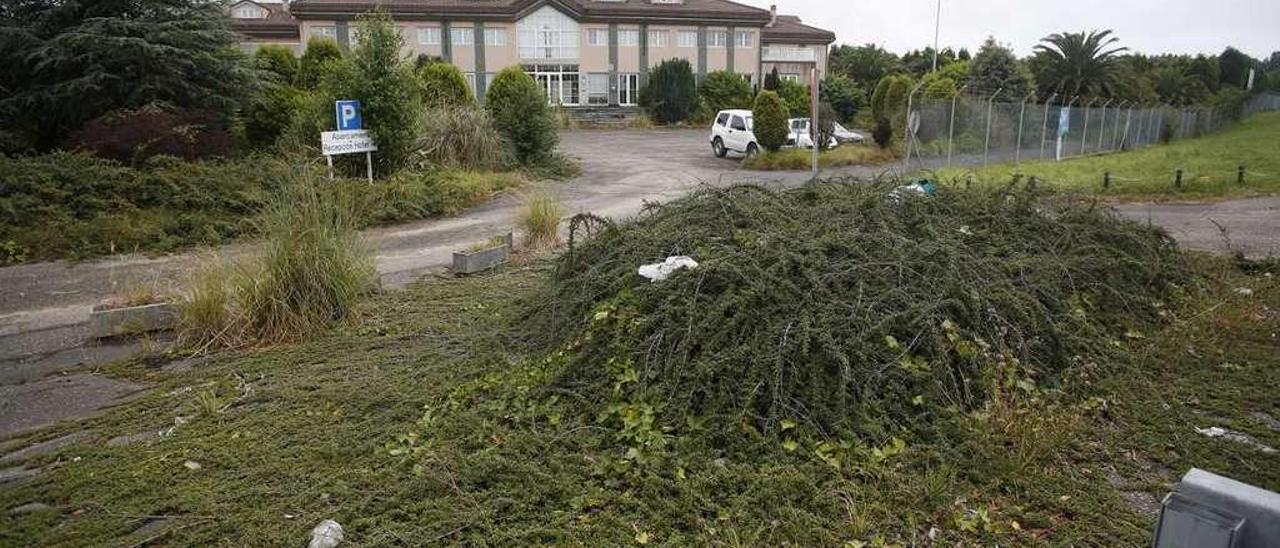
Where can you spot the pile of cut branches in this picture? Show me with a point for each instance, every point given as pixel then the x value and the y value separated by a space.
pixel 850 307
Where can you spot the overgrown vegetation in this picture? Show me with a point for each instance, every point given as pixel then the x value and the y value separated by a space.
pixel 851 310
pixel 800 159
pixel 75 205
pixel 671 94
pixel 519 109
pixel 481 452
pixel 462 136
pixel 540 219
pixel 306 277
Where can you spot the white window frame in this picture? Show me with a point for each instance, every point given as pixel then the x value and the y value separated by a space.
pixel 547 34
pixel 628 88
pixel 495 37
pixel 789 77
pixel 428 36
pixel 628 37
pixel 597 88
pixel 659 38
pixel 688 38
pixel 325 31
pixel 744 39
pixel 717 38
pixel 462 36
pixel 597 37
pixel 471 80
pixel 248 11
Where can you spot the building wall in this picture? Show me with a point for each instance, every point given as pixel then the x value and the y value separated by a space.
pixel 250 46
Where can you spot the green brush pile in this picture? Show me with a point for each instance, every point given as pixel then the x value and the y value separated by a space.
pixel 846 308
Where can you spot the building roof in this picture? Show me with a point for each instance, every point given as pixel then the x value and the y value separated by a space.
pixel 278 25
pixel 788 28
pixel 709 11
pixel 282 21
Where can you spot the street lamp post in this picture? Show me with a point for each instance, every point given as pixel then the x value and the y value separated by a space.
pixel 937 29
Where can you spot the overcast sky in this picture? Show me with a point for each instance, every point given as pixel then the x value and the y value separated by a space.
pixel 1148 26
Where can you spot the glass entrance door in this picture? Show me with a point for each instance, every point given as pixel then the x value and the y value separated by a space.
pixel 559 82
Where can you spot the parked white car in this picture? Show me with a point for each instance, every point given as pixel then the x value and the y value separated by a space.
pixel 799 134
pixel 732 131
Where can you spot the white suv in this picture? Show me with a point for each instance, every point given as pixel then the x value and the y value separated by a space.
pixel 732 130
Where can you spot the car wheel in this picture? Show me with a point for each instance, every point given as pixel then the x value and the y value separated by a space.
pixel 718 146
pixel 752 150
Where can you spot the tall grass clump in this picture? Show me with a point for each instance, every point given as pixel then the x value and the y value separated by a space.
pixel 850 309
pixel 462 137
pixel 307 276
pixel 540 219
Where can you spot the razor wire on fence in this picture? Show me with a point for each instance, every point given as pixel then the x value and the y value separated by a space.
pixel 973 130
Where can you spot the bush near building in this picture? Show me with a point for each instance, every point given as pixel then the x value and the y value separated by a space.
pixel 722 90
pixel 315 62
pixel 671 94
pixel 444 85
pixel 519 109
pixel 770 121
pixel 796 97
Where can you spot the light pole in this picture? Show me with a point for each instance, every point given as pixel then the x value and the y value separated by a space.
pixel 937 29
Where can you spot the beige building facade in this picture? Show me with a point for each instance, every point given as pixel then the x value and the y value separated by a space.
pixel 582 52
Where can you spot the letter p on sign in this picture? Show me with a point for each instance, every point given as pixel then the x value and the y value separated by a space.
pixel 348 115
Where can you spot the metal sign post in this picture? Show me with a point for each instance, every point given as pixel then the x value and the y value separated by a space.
pixel 349 138
pixel 814 134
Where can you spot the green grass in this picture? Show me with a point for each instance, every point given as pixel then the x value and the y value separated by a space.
pixel 1209 167
pixel 418 425
pixel 844 155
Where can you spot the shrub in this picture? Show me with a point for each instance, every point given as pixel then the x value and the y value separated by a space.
pixel 796 97
pixel 770 124
pixel 386 87
pixel 317 61
pixel 278 60
pixel 723 90
pixel 444 85
pixel 461 136
pixel 267 117
pixel 825 126
pixel 670 95
pixel 878 97
pixel 307 277
pixel 771 80
pixel 883 133
pixel 540 219
pixel 520 111
pixel 843 95
pixel 133 136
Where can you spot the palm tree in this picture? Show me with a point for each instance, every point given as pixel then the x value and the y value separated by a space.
pixel 1079 63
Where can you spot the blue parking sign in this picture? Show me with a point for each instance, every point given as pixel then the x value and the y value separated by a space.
pixel 348 113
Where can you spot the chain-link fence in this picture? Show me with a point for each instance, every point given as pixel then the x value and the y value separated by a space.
pixel 977 131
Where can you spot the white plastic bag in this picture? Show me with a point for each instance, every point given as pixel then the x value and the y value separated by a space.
pixel 326 535
pixel 657 272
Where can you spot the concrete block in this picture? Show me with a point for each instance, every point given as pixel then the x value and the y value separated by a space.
pixel 114 322
pixel 1210 511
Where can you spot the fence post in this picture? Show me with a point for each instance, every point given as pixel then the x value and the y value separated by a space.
pixel 910 101
pixel 951 127
pixel 1017 148
pixel 1177 178
pixel 1044 128
pixel 1102 125
pixel 1240 174
pixel 1128 120
pixel 986 148
pixel 1115 137
pixel 1058 148
pixel 1106 181
pixel 1084 136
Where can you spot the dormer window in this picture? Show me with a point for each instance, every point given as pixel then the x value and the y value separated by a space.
pixel 666 1
pixel 248 11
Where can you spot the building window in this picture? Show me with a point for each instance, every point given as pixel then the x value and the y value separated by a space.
pixel 248 12
pixel 462 36
pixel 548 34
pixel 353 37
pixel 744 38
pixel 790 77
pixel 746 77
pixel 471 81
pixel 666 1
pixel 717 39
pixel 330 32
pixel 658 38
pixel 495 37
pixel 597 37
pixel 598 88
pixel 628 88
pixel 628 37
pixel 688 39
pixel 429 36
